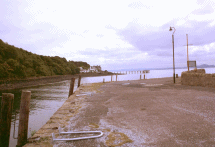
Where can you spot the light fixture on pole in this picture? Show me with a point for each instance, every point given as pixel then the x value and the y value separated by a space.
pixel 173 52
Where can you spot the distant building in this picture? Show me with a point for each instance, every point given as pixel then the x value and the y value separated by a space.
pixel 84 70
pixel 95 69
pixel 81 68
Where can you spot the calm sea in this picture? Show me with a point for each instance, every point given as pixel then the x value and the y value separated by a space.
pixel 136 76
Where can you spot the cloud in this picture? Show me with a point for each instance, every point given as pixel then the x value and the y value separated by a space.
pixel 127 33
pixel 100 35
pixel 199 34
pixel 138 5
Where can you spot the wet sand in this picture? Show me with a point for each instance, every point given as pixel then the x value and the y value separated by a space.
pixel 152 112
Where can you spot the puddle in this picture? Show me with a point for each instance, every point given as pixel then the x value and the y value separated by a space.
pixel 125 83
pixel 153 84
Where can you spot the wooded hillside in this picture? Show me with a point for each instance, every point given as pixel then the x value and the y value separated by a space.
pixel 17 63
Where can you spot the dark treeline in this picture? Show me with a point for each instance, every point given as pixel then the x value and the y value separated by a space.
pixel 16 63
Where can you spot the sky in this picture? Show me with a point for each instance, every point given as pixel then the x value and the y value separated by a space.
pixel 116 34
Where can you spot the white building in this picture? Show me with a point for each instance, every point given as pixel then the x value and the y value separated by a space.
pixel 94 69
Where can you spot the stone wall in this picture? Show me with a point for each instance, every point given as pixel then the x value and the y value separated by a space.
pixel 198 77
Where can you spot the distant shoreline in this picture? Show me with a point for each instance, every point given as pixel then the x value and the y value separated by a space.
pixel 23 83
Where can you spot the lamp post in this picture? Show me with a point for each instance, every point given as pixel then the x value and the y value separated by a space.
pixel 173 52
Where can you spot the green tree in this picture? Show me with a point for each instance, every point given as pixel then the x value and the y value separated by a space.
pixel 18 63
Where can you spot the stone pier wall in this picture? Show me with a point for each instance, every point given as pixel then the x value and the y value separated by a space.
pixel 198 77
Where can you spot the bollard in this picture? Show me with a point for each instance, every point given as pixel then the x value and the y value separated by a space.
pixel 111 78
pixel 5 118
pixel 23 118
pixel 103 80
pixel 144 76
pixel 79 81
pixel 116 77
pixel 140 77
pixel 176 75
pixel 71 86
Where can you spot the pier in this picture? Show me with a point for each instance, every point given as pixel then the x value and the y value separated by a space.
pixel 135 113
pixel 132 72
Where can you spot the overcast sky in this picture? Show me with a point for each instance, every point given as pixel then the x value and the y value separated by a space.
pixel 116 34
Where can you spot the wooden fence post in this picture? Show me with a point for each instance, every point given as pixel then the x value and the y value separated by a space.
pixel 140 77
pixel 111 78
pixel 79 80
pixel 5 118
pixel 144 76
pixel 71 86
pixel 23 118
pixel 116 77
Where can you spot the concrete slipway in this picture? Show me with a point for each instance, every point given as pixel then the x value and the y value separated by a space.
pixel 152 112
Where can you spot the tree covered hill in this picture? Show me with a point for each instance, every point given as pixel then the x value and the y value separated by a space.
pixel 16 63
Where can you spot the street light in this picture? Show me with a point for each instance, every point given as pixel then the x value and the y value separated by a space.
pixel 173 52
